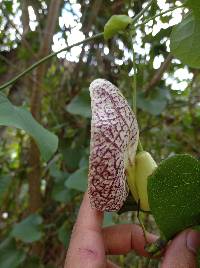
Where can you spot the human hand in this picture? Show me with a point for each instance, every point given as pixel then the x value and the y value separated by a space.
pixel 90 243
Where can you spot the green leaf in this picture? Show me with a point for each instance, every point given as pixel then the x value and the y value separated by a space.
pixel 84 162
pixel 18 117
pixel 60 193
pixel 57 174
pixel 185 41
pixel 80 105
pixel 9 6
pixel 5 182
pixel 194 5
pixel 174 194
pixel 33 262
pixel 78 180
pixel 72 156
pixel 155 104
pixel 64 234
pixel 10 256
pixel 116 24
pixel 29 229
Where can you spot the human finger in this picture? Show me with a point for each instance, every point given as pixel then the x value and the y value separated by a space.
pixel 182 250
pixel 88 218
pixel 123 238
pixel 86 247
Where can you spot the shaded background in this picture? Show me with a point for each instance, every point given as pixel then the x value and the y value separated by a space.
pixel 39 201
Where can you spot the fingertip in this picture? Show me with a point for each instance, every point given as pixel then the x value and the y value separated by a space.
pixel 193 241
pixel 181 251
pixel 88 217
pixel 86 247
pixel 123 238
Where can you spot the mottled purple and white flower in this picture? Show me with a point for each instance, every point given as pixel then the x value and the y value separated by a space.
pixel 114 139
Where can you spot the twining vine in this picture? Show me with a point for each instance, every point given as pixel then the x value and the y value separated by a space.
pixel 86 40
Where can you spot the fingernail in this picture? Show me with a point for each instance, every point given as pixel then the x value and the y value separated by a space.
pixel 193 241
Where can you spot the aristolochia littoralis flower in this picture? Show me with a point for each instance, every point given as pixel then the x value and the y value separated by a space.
pixel 114 139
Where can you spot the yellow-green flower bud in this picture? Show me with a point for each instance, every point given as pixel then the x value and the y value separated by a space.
pixel 145 165
pixel 138 174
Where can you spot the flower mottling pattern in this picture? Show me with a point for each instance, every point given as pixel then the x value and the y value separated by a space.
pixel 114 139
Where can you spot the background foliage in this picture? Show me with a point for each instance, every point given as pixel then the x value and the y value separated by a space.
pixel 39 200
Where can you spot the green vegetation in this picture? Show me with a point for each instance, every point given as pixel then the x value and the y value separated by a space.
pixel 44 156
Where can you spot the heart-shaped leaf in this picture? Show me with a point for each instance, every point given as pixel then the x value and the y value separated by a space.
pixel 174 194
pixel 185 41
pixel 29 229
pixel 18 117
pixel 78 180
pixel 116 24
pixel 155 104
pixel 80 105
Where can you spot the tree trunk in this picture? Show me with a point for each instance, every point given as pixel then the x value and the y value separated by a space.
pixel 36 101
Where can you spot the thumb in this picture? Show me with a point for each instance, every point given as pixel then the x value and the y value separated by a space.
pixel 183 250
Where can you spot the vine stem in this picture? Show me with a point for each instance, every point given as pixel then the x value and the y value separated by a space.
pixel 86 40
pixel 140 147
pixel 132 32
pixel 134 82
pixel 29 69
pixel 141 223
pixel 158 15
pixel 142 12
pixel 134 87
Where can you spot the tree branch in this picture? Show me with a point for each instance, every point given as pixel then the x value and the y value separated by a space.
pixel 25 17
pixel 44 59
pixel 94 12
pixel 158 74
pixel 67 48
